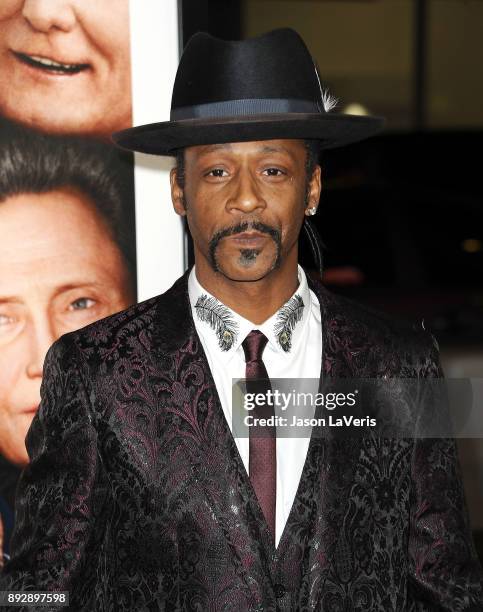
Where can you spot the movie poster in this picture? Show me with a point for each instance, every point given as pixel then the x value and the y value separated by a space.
pixel 68 214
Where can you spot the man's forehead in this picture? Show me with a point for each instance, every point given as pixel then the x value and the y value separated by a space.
pixel 288 145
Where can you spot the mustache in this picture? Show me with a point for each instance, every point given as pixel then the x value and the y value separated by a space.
pixel 239 228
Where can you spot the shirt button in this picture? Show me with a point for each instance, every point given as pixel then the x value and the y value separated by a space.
pixel 279 590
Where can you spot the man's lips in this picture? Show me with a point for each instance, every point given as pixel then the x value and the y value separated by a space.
pixel 49 65
pixel 248 238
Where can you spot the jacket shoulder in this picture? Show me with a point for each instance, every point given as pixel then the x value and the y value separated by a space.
pixel 365 324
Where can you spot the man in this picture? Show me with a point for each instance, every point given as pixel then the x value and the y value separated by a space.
pixel 65 261
pixel 142 498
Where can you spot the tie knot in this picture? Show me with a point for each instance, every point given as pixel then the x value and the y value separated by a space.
pixel 253 345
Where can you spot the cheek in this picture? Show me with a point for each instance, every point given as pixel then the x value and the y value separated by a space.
pixel 16 390
pixel 200 223
pixel 13 424
pixel 13 431
pixel 290 236
pixel 12 363
pixel 292 217
pixel 106 25
pixel 8 8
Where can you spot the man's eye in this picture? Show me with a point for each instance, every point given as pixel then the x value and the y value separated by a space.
pixel 217 172
pixel 273 172
pixel 82 303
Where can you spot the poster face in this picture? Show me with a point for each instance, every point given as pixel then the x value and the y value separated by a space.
pixel 65 66
pixel 64 259
pixel 67 235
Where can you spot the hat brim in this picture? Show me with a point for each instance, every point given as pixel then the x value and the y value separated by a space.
pixel 165 138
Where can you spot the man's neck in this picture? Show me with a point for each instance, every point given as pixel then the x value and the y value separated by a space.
pixel 255 301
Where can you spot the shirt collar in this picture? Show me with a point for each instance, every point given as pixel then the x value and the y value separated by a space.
pixel 224 330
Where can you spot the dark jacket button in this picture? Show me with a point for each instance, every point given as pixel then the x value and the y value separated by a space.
pixel 279 590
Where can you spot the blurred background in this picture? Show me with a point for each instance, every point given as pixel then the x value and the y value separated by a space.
pixel 401 215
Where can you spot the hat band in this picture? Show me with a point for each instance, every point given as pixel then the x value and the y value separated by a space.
pixel 233 108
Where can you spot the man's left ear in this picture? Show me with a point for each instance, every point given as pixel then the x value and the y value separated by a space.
pixel 313 192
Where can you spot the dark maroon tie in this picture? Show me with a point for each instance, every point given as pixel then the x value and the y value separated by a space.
pixel 262 440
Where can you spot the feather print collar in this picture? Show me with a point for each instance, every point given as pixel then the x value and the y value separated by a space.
pixel 287 318
pixel 224 329
pixel 220 318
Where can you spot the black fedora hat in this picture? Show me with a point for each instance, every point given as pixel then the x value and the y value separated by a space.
pixel 257 89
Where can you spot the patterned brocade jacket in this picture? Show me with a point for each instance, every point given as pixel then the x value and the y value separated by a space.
pixel 137 499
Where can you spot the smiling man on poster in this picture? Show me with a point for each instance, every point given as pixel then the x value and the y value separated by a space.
pixel 139 495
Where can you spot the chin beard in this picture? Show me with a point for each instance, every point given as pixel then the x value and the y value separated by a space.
pixel 247 256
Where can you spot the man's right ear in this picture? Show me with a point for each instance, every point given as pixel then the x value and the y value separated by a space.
pixel 177 194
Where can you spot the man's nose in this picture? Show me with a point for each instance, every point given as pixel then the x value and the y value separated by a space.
pixel 246 196
pixel 41 337
pixel 47 15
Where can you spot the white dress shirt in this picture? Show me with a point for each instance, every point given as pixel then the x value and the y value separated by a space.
pixel 303 360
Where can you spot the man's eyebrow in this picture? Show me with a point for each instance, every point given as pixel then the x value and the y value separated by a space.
pixel 76 284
